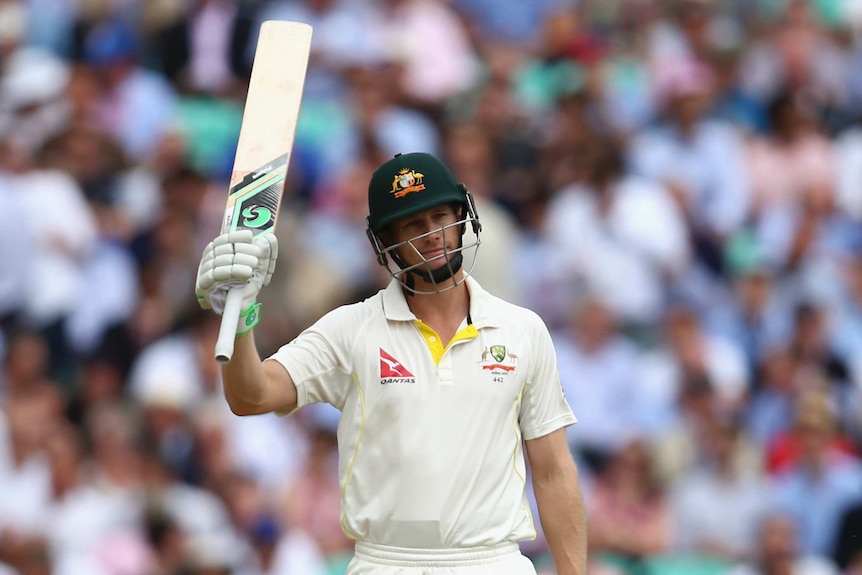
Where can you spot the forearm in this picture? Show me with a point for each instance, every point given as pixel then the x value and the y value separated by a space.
pixel 244 378
pixel 561 511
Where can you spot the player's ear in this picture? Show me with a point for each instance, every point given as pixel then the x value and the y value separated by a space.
pixel 385 236
pixel 378 244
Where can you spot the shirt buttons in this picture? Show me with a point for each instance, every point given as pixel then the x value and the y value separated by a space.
pixel 432 339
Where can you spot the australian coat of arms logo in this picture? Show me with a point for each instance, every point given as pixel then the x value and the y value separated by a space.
pixel 498 359
pixel 406 181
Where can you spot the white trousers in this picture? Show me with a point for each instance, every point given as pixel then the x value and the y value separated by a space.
pixel 501 559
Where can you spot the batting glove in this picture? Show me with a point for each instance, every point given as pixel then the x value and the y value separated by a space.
pixel 236 260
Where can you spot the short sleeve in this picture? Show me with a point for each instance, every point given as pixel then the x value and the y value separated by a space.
pixel 543 406
pixel 318 361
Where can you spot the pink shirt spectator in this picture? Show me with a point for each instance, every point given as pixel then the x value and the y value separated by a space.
pixel 786 171
pixel 433 47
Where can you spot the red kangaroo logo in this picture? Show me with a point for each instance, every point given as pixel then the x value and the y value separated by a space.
pixel 391 367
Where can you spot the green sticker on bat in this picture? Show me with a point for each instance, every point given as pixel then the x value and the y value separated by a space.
pixel 255 217
pixel 254 201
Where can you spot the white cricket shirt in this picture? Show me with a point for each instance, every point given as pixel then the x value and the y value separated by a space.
pixel 430 438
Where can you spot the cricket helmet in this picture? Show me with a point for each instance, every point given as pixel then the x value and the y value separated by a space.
pixel 409 184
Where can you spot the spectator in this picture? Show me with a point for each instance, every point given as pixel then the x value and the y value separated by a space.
pixel 689 359
pixel 770 408
pixel 807 56
pixel 597 364
pixel 628 511
pixel 204 50
pixel 471 153
pixel 510 23
pixel 822 483
pixel 779 552
pixel 135 105
pixel 340 42
pixel 446 50
pixel 793 159
pixel 26 364
pixel 813 350
pixel 312 505
pixel 810 243
pixel 755 312
pixel 65 227
pixel 33 106
pixel 613 226
pixel 15 246
pixel 787 448
pixel 698 159
pixel 718 502
pixel 335 237
pixel 278 548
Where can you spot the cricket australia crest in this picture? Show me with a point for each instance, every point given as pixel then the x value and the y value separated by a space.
pixel 498 359
pixel 407 181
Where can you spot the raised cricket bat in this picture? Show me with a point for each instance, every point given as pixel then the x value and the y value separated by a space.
pixel 264 146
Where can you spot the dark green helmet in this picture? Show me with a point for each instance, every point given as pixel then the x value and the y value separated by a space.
pixel 408 184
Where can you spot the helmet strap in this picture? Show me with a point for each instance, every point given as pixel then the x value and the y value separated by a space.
pixel 442 273
pixel 436 276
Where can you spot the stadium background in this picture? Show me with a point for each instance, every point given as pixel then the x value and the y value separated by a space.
pixel 675 186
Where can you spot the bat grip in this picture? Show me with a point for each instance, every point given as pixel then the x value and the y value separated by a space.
pixel 227 331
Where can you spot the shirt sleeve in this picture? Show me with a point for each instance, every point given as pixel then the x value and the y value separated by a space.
pixel 318 361
pixel 543 406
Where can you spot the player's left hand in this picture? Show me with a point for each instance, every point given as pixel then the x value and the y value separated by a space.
pixel 235 260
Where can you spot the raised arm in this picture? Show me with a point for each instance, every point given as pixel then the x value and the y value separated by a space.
pixel 239 261
pixel 561 506
pixel 251 386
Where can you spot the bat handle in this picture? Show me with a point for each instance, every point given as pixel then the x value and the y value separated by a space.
pixel 227 331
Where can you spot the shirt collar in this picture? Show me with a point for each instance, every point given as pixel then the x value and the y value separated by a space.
pixel 395 306
pixel 395 303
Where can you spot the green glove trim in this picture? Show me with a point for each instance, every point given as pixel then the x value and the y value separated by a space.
pixel 249 318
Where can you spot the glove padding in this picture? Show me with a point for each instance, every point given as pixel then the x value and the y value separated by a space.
pixel 235 260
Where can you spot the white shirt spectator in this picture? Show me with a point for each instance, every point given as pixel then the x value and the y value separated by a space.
pixel 661 373
pixel 15 247
pixel 340 31
pixel 296 552
pixel 32 103
pixel 268 447
pixel 711 509
pixel 79 525
pixel 139 197
pixel 709 164
pixel 113 269
pixel 24 493
pixel 65 232
pixel 602 386
pixel 166 373
pixel 640 238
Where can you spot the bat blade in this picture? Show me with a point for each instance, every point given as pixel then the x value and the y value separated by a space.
pixel 265 143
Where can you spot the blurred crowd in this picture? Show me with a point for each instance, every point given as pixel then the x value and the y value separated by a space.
pixel 674 185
